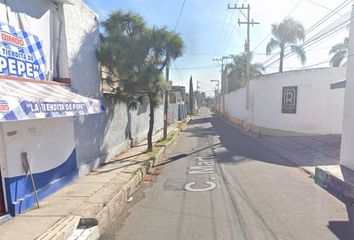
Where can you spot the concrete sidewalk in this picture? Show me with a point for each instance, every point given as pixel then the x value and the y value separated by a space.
pixel 306 151
pixel 96 196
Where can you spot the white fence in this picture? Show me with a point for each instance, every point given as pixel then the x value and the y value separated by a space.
pixel 315 107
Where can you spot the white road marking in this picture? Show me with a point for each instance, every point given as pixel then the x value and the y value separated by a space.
pixel 204 165
pixel 189 187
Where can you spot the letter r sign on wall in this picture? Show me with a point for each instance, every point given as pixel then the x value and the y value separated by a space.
pixel 289 99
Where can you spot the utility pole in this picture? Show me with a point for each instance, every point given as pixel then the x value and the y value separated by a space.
pixel 248 41
pixel 165 110
pixel 224 90
pixel 247 44
pixel 222 60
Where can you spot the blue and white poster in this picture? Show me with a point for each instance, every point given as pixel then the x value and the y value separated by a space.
pixel 24 100
pixel 21 54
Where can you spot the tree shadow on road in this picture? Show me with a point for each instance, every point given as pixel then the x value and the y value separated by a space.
pixel 199 121
pixel 180 156
pixel 239 144
pixel 200 132
pixel 239 148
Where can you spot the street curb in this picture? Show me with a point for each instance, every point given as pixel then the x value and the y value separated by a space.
pixel 340 182
pixel 255 138
pixel 113 208
pixel 167 145
pixel 62 229
pixel 66 226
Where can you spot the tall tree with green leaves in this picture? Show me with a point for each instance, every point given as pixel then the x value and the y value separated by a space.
pixel 289 33
pixel 236 71
pixel 136 56
pixel 340 53
pixel 191 95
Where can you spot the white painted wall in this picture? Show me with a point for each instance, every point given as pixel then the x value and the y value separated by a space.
pixel 98 137
pixel 319 109
pixel 101 136
pixel 48 142
pixel 235 103
pixel 82 41
pixel 347 144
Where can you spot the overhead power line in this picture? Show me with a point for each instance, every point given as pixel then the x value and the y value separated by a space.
pixel 320 5
pixel 248 22
pixel 180 75
pixel 329 15
pixel 287 15
pixel 228 34
pixel 191 68
pixel 228 37
pixel 179 15
pixel 326 32
pixel 221 32
pixel 289 54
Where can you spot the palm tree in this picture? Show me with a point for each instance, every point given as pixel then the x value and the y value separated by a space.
pixel 288 33
pixel 136 56
pixel 340 53
pixel 237 69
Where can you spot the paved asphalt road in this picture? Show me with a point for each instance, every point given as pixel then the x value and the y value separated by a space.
pixel 220 184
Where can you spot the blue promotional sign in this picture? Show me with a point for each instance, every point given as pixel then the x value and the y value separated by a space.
pixel 21 54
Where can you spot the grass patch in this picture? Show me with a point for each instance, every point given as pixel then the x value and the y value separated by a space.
pixel 169 137
pixel 153 153
pixel 147 163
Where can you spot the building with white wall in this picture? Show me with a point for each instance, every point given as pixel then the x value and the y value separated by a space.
pixel 37 105
pixel 296 102
pixel 347 149
pixel 59 116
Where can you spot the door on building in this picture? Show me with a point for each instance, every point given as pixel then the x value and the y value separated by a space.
pixel 2 202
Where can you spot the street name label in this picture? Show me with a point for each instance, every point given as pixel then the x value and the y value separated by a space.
pixel 204 165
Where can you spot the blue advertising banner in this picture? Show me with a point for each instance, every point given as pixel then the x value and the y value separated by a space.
pixel 21 54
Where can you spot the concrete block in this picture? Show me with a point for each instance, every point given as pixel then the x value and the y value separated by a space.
pixel 61 230
pixel 337 178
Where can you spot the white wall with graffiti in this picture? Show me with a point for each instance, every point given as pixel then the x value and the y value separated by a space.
pixel 296 101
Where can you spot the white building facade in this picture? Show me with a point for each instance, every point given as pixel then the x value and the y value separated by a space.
pixel 295 102
pixel 38 104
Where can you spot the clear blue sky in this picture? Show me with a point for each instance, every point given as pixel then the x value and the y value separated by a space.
pixel 210 30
